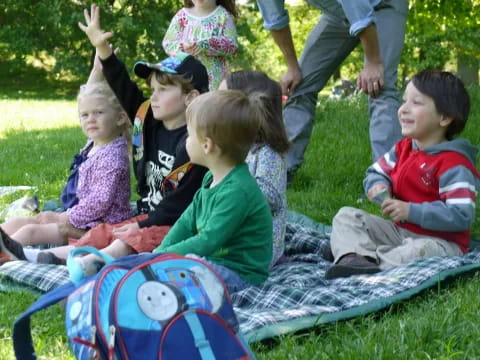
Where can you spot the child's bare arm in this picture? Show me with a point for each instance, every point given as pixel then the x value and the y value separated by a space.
pixel 98 38
pixel 96 75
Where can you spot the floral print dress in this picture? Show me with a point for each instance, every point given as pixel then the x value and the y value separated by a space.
pixel 270 170
pixel 215 35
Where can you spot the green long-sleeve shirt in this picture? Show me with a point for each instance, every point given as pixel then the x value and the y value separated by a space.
pixel 229 224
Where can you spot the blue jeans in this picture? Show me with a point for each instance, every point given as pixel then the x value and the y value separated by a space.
pixel 328 44
pixel 233 282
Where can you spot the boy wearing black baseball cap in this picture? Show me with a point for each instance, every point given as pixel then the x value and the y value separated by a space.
pixel 166 180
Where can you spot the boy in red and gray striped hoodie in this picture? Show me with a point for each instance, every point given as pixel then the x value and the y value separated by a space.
pixel 427 184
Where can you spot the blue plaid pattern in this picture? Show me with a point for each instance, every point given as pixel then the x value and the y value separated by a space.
pixel 296 295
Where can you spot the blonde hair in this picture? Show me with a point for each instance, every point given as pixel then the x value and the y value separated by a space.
pixel 102 89
pixel 230 118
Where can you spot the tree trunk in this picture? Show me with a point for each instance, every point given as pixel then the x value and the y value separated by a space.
pixel 467 69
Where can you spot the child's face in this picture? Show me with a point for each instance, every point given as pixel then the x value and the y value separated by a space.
pixel 168 102
pixel 100 121
pixel 420 119
pixel 194 145
pixel 205 4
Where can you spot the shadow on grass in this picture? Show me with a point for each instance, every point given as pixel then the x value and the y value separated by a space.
pixel 28 82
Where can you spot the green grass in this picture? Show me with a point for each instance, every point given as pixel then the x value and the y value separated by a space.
pixel 39 135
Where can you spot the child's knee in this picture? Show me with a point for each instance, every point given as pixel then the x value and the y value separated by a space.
pixel 348 215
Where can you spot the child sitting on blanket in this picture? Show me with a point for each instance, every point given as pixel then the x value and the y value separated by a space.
pixel 427 184
pixel 103 191
pixel 229 223
pixel 265 159
pixel 166 179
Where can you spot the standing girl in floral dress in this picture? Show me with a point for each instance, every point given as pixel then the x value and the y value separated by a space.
pixel 206 30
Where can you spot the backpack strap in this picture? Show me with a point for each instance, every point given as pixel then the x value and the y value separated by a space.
pixel 75 271
pixel 22 335
pixel 174 177
pixel 137 133
pixel 201 342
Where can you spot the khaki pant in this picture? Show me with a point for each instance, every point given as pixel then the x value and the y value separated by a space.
pixel 356 231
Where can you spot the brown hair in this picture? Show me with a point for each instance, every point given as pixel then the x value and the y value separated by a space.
pixel 102 89
pixel 449 95
pixel 272 129
pixel 230 118
pixel 165 78
pixel 229 5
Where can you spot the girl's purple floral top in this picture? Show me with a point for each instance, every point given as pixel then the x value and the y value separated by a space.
pixel 103 187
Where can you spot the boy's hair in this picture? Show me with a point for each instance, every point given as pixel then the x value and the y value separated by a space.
pixel 230 118
pixel 229 5
pixel 181 69
pixel 165 78
pixel 449 95
pixel 102 89
pixel 272 129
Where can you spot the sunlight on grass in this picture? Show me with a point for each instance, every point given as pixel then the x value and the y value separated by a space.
pixel 28 115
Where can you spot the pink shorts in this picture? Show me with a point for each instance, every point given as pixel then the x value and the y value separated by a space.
pixel 146 240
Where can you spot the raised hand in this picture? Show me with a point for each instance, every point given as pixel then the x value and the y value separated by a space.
pixel 98 38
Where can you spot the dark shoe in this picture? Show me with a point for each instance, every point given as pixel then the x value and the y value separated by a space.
pixel 351 264
pixel 46 257
pixel 10 248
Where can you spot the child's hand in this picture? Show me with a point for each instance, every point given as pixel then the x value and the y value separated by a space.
pixel 191 48
pixel 379 193
pixel 396 209
pixel 126 231
pixel 98 38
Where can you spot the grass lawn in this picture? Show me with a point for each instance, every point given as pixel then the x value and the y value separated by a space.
pixel 39 134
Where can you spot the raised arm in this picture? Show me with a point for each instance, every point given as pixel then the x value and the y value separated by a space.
pixel 98 38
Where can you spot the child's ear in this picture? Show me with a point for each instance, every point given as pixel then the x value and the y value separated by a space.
pixel 208 145
pixel 122 118
pixel 445 121
pixel 190 96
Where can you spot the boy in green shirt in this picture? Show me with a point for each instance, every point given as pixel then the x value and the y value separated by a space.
pixel 228 222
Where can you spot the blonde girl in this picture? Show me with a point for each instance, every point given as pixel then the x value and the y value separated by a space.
pixel 101 189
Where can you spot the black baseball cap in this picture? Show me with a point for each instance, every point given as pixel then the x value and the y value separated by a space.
pixel 180 64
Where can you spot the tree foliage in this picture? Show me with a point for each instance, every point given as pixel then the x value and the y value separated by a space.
pixel 438 33
pixel 45 29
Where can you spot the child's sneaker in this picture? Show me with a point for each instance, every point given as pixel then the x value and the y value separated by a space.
pixel 352 264
pixel 9 248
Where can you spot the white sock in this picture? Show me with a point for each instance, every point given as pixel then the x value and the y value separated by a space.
pixel 31 254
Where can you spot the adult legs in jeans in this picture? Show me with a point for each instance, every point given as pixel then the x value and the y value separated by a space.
pixel 328 44
pixel 385 129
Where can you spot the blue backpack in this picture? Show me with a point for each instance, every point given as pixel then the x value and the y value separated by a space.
pixel 146 306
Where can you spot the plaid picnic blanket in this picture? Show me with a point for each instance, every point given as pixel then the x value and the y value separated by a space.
pixel 296 295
